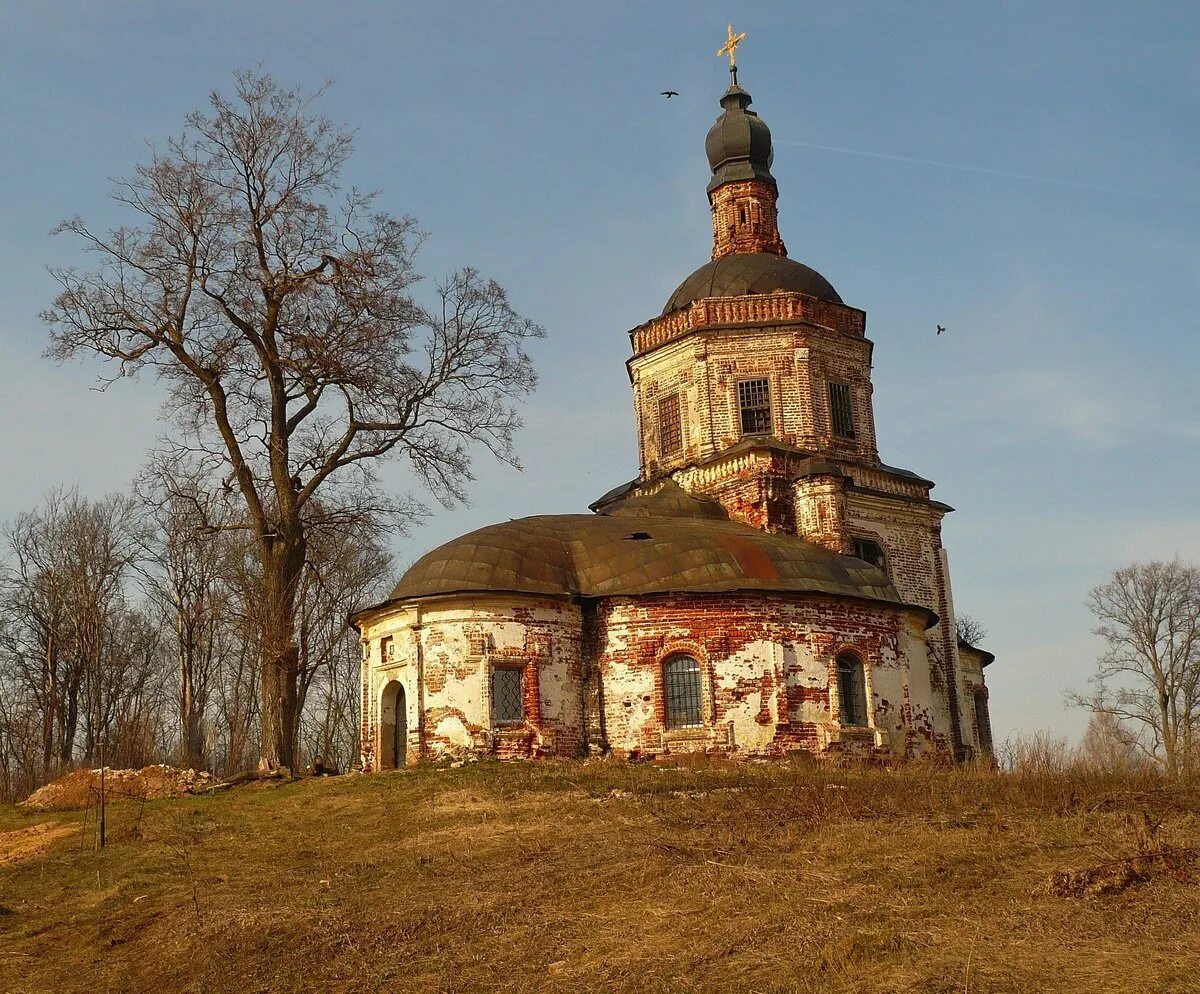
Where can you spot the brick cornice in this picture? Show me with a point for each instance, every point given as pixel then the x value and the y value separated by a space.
pixel 755 310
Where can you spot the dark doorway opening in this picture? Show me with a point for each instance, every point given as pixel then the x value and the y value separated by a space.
pixel 394 727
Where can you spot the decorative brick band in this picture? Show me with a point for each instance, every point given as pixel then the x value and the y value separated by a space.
pixel 767 308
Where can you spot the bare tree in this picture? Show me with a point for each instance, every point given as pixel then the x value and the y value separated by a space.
pixel 345 567
pixel 277 309
pixel 1110 746
pixel 33 637
pixel 1149 675
pixel 186 555
pixel 75 654
pixel 970 629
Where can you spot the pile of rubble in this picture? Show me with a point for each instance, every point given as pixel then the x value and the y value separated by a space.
pixel 80 788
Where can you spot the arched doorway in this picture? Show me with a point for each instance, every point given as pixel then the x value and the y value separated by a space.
pixel 393 727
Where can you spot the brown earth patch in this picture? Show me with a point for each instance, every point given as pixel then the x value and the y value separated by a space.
pixel 27 842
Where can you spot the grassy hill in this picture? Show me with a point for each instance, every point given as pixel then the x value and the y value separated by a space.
pixel 599 876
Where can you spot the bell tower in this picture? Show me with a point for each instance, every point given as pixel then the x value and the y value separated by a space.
pixel 755 359
pixel 753 387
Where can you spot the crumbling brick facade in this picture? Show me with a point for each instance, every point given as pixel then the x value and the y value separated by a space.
pixel 768 681
pixel 752 393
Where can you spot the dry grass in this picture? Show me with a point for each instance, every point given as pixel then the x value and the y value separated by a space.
pixel 560 877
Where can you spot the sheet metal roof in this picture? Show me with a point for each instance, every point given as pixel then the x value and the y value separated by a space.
pixel 745 273
pixel 666 543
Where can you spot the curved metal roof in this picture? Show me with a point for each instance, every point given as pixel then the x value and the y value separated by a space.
pixel 738 145
pixel 741 274
pixel 666 543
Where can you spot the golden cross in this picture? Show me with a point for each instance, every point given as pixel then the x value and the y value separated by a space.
pixel 730 46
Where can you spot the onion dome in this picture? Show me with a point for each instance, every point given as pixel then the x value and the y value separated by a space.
pixel 739 143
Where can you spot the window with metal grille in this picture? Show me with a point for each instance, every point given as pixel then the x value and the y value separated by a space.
pixel 681 692
pixel 841 409
pixel 754 400
pixel 670 426
pixel 983 721
pixel 507 702
pixel 870 551
pixel 852 690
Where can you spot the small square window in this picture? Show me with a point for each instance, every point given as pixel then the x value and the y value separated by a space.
pixel 841 410
pixel 670 426
pixel 508 705
pixel 754 401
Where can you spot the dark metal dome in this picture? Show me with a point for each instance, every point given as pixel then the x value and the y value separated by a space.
pixel 751 273
pixel 739 143
pixel 665 543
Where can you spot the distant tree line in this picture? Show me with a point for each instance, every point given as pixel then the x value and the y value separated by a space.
pixel 130 632
pixel 201 616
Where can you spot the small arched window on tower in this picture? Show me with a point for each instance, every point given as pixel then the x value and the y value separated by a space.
pixel 682 699
pixel 852 690
pixel 742 214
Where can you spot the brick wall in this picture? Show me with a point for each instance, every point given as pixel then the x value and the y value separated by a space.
pixel 768 676
pixel 446 651
pixel 745 219
pixel 798 362
pixel 767 663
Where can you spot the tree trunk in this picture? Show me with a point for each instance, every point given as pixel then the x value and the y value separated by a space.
pixel 1169 732
pixel 49 703
pixel 283 565
pixel 66 748
pixel 190 711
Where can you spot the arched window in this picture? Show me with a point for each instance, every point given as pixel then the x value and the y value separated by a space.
pixel 681 692
pixel 852 690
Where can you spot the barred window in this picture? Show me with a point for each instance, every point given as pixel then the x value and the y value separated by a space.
pixel 852 690
pixel 670 426
pixel 841 410
pixel 681 692
pixel 754 400
pixel 983 722
pixel 507 702
pixel 870 551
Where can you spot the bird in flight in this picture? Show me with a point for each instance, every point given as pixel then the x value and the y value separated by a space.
pixel 670 93
pixel 940 329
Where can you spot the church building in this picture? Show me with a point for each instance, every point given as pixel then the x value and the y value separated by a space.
pixel 765 584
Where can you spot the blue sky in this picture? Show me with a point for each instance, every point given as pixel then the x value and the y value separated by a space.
pixel 1024 173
